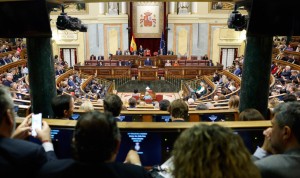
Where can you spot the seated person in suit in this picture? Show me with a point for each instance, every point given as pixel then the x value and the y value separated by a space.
pixel 170 52
pixel 63 106
pixel 283 140
pixel 96 143
pixel 119 52
pixel 21 158
pixel 148 62
pixel 205 57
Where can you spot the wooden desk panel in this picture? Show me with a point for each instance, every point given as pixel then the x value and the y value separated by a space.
pixel 147 73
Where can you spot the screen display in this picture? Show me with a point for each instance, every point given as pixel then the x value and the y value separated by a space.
pixel 212 117
pixel 153 146
pixel 162 118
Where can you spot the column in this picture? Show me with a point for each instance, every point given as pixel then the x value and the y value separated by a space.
pixel 194 7
pixel 255 87
pixel 41 75
pixel 171 7
pixel 101 8
pixel 124 8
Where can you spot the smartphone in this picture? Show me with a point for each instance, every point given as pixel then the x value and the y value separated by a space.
pixel 36 123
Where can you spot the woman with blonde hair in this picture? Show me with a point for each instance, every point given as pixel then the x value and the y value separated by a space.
pixel 234 102
pixel 212 151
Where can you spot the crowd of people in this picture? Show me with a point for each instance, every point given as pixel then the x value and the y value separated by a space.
pixel 222 153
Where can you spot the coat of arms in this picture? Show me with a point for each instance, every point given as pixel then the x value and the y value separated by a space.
pixel 148 19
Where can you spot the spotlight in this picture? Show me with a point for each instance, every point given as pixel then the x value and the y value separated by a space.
pixel 237 21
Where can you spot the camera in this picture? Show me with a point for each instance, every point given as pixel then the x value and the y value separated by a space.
pixel 237 21
pixel 71 23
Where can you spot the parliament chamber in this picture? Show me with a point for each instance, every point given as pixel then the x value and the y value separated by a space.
pixel 182 38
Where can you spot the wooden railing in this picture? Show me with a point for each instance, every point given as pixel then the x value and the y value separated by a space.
pixel 63 76
pixel 5 68
pixel 285 63
pixel 161 125
pixel 237 82
pixel 146 115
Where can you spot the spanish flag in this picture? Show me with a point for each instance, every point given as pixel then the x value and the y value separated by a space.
pixel 132 45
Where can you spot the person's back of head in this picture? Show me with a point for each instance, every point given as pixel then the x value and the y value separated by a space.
pixel 135 91
pixel 191 101
pixel 96 138
pixel 179 109
pixel 87 106
pixel 286 119
pixel 62 106
pixel 6 105
pixel 113 103
pixel 289 98
pixel 250 114
pixel 234 102
pixel 220 152
pixel 132 102
pixel 164 105
pixel 202 106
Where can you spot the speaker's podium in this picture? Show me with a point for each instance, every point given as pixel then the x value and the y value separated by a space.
pixel 147 73
pixel 147 52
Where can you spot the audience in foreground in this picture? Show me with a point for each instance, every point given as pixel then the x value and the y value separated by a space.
pixel 96 144
pixel 20 158
pixel 178 110
pixel 211 151
pixel 284 139
pixel 113 104
pixel 63 106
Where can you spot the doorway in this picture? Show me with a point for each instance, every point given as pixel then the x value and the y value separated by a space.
pixel 69 55
pixel 227 56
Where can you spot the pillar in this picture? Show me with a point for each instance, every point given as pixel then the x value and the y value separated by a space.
pixel 194 7
pixel 255 87
pixel 123 8
pixel 171 7
pixel 41 75
pixel 101 8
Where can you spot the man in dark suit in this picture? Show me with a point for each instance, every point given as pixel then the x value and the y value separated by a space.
pixel 284 140
pixel 20 158
pixel 141 51
pixel 119 52
pixel 147 62
pixel 96 143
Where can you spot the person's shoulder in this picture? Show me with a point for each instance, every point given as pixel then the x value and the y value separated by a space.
pixel 18 144
pixel 125 170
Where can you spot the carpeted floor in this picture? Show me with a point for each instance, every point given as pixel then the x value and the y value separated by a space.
pixel 167 95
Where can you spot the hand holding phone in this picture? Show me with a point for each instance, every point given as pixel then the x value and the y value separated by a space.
pixel 36 123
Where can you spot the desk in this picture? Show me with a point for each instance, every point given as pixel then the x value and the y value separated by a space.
pixel 147 73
